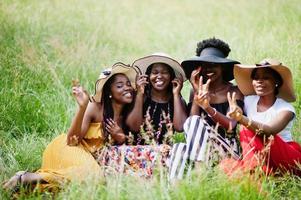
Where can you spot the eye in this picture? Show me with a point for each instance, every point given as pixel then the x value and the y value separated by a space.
pixel 119 85
pixel 154 72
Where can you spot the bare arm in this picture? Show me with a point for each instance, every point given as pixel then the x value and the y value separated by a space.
pixel 179 115
pixel 135 117
pixel 81 120
pixel 271 128
pixel 194 80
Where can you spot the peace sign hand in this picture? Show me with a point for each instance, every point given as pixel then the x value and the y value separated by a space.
pixel 235 112
pixel 202 98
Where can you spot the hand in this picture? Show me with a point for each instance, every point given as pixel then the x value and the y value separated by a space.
pixel 194 80
pixel 80 94
pixel 235 112
pixel 177 85
pixel 202 98
pixel 112 127
pixel 73 140
pixel 141 82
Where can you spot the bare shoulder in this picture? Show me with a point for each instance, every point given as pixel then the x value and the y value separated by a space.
pixel 94 111
pixel 239 94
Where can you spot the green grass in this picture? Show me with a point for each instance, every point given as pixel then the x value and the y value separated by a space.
pixel 45 44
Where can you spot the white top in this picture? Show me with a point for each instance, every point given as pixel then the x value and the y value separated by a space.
pixel 270 114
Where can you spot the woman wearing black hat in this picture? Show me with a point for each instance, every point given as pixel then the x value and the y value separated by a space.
pixel 209 73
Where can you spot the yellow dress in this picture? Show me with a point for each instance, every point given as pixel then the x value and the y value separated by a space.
pixel 63 163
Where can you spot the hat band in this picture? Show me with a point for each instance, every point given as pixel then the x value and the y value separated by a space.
pixel 211 51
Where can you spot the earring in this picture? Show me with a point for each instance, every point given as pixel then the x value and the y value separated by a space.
pixel 276 85
pixel 110 96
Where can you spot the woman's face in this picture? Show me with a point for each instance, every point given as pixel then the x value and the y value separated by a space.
pixel 159 77
pixel 121 89
pixel 211 71
pixel 263 82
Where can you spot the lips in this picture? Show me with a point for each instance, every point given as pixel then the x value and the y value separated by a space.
pixel 159 83
pixel 128 94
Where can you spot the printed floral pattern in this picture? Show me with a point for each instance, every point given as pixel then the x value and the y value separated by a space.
pixel 134 160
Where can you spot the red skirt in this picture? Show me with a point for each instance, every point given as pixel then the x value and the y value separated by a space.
pixel 271 155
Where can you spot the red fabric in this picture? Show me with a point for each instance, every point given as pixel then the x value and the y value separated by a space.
pixel 272 155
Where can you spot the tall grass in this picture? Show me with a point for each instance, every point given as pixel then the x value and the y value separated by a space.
pixel 45 44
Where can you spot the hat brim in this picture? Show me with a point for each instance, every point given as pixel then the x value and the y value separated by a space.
pixel 143 63
pixel 242 75
pixel 194 62
pixel 117 68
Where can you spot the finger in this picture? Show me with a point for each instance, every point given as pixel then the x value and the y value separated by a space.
pixel 206 86
pixel 108 129
pixel 229 98
pixel 234 97
pixel 201 85
pixel 111 121
pixel 204 95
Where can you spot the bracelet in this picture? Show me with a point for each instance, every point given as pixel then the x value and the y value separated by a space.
pixel 249 123
pixel 213 113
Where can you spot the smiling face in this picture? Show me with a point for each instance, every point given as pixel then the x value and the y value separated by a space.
pixel 211 71
pixel 121 89
pixel 264 83
pixel 160 77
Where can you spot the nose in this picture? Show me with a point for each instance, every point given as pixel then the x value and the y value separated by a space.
pixel 128 88
pixel 259 80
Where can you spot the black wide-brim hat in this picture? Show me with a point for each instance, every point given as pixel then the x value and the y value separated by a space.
pixel 213 56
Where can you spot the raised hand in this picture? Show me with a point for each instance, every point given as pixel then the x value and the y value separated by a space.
pixel 202 98
pixel 194 80
pixel 112 127
pixel 141 82
pixel 235 112
pixel 177 85
pixel 80 94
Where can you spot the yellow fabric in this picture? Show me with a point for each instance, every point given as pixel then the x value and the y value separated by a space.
pixel 63 163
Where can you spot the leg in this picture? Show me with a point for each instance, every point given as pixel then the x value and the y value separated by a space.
pixel 196 132
pixel 22 178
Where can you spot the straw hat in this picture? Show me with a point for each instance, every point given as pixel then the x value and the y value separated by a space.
pixel 210 55
pixel 117 68
pixel 242 74
pixel 143 63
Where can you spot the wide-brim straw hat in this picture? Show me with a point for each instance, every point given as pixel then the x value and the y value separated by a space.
pixel 242 74
pixel 105 75
pixel 213 56
pixel 143 63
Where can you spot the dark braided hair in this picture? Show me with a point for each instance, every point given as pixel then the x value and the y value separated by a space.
pixel 213 42
pixel 108 111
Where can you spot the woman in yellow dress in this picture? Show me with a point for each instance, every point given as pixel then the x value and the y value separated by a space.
pixel 70 157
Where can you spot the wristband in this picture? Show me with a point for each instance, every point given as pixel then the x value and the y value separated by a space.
pixel 249 123
pixel 214 113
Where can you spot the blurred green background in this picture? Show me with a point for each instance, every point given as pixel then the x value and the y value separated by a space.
pixel 46 44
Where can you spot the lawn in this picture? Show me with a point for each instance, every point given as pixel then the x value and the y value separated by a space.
pixel 44 44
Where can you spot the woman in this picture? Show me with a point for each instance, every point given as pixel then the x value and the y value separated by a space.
pixel 209 72
pixel 158 97
pixel 265 137
pixel 70 157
